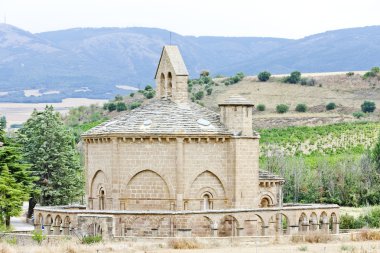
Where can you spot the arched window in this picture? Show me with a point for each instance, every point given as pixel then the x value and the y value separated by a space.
pixel 264 203
pixel 207 201
pixel 162 85
pixel 101 199
pixel 169 85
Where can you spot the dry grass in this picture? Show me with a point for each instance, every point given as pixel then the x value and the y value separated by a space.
pixel 184 243
pixel 312 237
pixel 366 235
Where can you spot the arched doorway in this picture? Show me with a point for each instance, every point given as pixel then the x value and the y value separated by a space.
pixel 279 224
pixel 265 202
pixel 228 226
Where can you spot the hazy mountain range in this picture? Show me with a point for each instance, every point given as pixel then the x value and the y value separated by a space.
pixel 101 58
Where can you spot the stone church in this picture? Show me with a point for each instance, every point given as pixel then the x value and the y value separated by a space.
pixel 174 168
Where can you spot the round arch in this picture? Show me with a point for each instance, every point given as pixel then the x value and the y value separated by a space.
pixel 228 226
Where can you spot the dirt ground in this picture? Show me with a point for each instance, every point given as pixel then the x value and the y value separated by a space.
pixel 119 247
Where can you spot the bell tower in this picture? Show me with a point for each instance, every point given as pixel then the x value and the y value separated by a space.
pixel 172 75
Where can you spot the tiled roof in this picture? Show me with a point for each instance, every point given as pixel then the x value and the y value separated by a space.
pixel 266 175
pixel 163 117
pixel 236 100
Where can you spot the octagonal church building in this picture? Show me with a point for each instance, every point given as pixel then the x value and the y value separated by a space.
pixel 174 168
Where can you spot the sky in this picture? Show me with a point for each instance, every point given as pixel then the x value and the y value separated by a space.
pixel 264 18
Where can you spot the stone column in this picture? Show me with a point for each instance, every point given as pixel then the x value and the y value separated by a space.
pixel 65 230
pixel 293 229
pixel 154 232
pixel 56 230
pixel 129 232
pixel 122 229
pixel 179 174
pixel 264 230
pixel 240 232
pixel 335 228
pixel 114 196
pixel 214 232
pixel 47 229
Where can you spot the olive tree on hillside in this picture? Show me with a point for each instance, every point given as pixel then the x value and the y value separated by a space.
pixel 50 149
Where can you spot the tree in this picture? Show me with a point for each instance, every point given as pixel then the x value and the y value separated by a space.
pixel 199 95
pixel 3 122
pixel 368 106
pixel 50 149
pixel 12 195
pixel 15 180
pixel 111 106
pixel 330 106
pixel 264 76
pixel 294 77
pixel 204 73
pixel 118 97
pixel 375 155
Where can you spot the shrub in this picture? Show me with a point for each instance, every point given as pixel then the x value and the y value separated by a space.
pixel 294 77
pixel 358 115
pixel 372 73
pixel 368 106
pixel 209 91
pixel 111 107
pixel 90 239
pixel 38 236
pixel 330 106
pixel 350 222
pixel 132 95
pixel 301 108
pixel 308 81
pixel 121 106
pixel 118 98
pixel 348 74
pixel 184 244
pixel 134 105
pixel 261 107
pixel 282 108
pixel 148 87
pixel 149 94
pixel 199 95
pixel 264 76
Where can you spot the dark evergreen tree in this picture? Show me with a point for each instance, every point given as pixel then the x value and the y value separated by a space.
pixel 50 149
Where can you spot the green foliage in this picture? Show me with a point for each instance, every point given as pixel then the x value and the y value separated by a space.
pixel 90 239
pixel 15 180
pixel 301 108
pixel 38 236
pixel 84 114
pixel 282 108
pixel 3 122
pixel 121 106
pixel 330 106
pixel 149 92
pixel 131 94
pixel 375 155
pixel 261 107
pixel 368 106
pixel 111 106
pixel 375 71
pixel 199 95
pixel 209 91
pixel 308 81
pixel 349 74
pixel 49 146
pixel 134 105
pixel 234 79
pixel 358 115
pixel 79 129
pixel 11 240
pixel 264 76
pixel 350 222
pixel 294 77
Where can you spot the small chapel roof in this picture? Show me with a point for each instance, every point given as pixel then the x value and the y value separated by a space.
pixel 176 60
pixel 236 100
pixel 163 117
